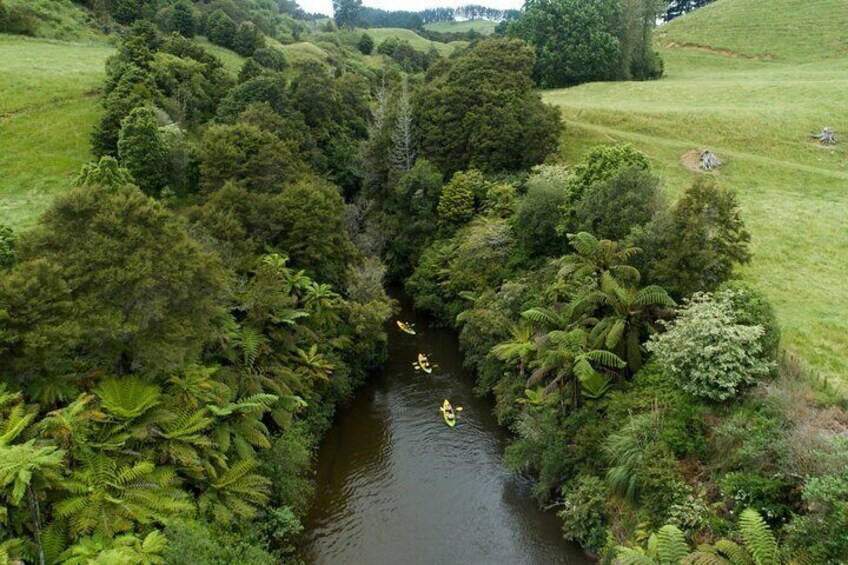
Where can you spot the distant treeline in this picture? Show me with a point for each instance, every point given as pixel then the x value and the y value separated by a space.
pixel 375 17
pixel 679 7
pixel 468 12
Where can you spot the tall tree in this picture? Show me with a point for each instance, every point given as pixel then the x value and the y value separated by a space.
pixel 346 13
pixel 142 150
pixel 481 111
pixel 403 140
pixel 703 242
pixel 576 41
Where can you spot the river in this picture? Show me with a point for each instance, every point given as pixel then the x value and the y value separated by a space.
pixel 396 485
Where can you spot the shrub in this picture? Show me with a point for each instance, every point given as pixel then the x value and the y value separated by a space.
pixel 820 534
pixel 195 543
pixel 19 20
pixel 770 496
pixel 610 209
pixel 247 39
pixel 752 308
pixel 584 518
pixel 365 44
pixel 220 29
pixel 708 353
pixel 538 215
pixel 457 201
pixel 704 239
pixel 7 247
pixel 270 58
pixel 142 150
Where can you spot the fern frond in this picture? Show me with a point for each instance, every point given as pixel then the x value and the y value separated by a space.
pixel 630 556
pixel 759 539
pixel 734 553
pixel 671 545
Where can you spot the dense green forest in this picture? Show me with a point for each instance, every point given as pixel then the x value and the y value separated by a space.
pixel 178 329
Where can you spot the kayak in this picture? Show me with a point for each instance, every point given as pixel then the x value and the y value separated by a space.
pixel 448 413
pixel 406 327
pixel 424 363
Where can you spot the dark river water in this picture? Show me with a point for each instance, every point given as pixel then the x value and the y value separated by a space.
pixel 396 485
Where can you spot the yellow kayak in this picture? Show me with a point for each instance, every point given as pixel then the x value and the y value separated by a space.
pixel 406 327
pixel 424 363
pixel 448 413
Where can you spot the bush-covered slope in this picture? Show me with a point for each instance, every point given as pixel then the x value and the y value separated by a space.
pixel 757 114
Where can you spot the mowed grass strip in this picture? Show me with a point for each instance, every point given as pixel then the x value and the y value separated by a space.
pixel 758 116
pixel 49 102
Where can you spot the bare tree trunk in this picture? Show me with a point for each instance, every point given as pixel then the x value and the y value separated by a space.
pixel 35 514
pixel 403 142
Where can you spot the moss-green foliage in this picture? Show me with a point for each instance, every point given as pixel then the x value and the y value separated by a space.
pixel 366 44
pixel 142 150
pixel 84 236
pixel 241 152
pixel 195 543
pixel 7 247
pixel 752 308
pixel 705 240
pixel 539 212
pixel 584 519
pixel 247 39
pixel 481 112
pixel 819 535
pixel 576 41
pixel 411 218
pixel 611 209
pixel 458 198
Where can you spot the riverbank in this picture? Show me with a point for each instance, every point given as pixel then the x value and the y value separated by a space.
pixel 393 481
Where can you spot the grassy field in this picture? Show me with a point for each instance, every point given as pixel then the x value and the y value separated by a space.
pixel 48 105
pixel 484 27
pixel 755 111
pixel 380 34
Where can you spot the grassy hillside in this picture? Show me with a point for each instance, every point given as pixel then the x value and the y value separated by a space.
pixel 784 30
pixel 380 34
pixel 757 114
pixel 48 105
pixel 61 19
pixel 484 27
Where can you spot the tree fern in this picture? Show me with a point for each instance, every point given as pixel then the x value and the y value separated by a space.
pixel 759 539
pixel 128 397
pixel 235 493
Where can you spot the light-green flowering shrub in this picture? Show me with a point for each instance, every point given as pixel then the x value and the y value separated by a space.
pixel 707 352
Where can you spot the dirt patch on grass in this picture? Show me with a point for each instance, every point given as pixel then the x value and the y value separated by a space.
pixel 692 161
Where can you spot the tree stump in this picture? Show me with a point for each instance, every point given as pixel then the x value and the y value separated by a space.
pixel 709 161
pixel 826 137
